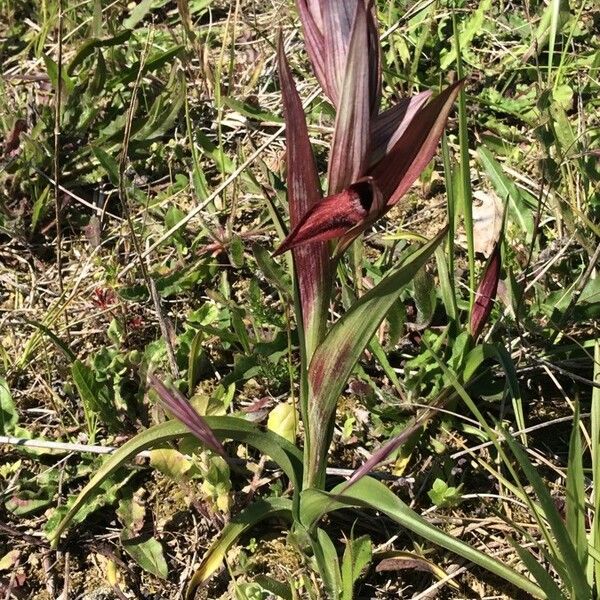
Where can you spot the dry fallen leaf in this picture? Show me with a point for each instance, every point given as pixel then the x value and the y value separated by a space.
pixel 487 221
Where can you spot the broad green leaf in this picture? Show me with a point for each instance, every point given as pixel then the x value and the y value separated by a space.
pixel 283 420
pixel 246 109
pixel 277 588
pixel 8 411
pixel 154 63
pixel 39 207
pixel 194 361
pixel 147 552
pixel 472 27
pixel 260 510
pixel 441 494
pixel 369 493
pixel 328 563
pixel 139 544
pixel 339 352
pixel 163 113
pixel 52 71
pixel 29 502
pixel 94 394
pixel 108 163
pixel 88 47
pixel 97 82
pixel 271 270
pixel 131 513
pixel 138 13
pixel 104 494
pixel 357 556
pixel 281 451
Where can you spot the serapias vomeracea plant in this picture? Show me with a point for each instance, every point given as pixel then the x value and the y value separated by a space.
pixel 375 157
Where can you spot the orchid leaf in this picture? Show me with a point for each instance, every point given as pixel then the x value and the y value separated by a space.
pixel 264 508
pixel 370 493
pixel 328 562
pixel 337 355
pixel 287 456
pixel 350 144
pixel 357 556
pixel 311 263
pixel 400 168
pixel 387 128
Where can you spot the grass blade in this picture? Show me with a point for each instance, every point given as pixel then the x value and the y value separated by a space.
pixel 594 543
pixel 575 502
pixel 373 494
pixel 573 571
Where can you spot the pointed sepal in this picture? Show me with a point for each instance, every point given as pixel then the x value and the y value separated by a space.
pixel 403 164
pixel 311 263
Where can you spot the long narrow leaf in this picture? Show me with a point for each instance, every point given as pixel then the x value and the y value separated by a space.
pixel 286 455
pixel 573 569
pixel 336 356
pixel 180 408
pixel 594 565
pixel 575 502
pixel 538 571
pixel 486 293
pixel 373 494
pixel 264 508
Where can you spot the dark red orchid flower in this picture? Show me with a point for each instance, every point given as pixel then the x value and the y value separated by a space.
pixel 375 156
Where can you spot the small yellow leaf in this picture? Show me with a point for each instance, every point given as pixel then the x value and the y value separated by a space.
pixel 283 420
pixel 112 573
pixel 9 559
pixel 171 463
